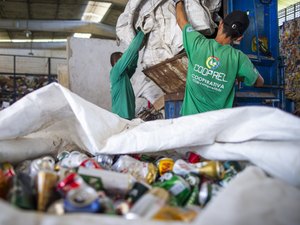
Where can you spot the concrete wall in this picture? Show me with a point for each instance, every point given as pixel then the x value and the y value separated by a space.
pixel 89 68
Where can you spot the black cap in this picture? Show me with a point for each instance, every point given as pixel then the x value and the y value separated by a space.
pixel 237 21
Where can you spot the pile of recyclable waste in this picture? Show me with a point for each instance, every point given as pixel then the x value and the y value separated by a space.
pixel 133 186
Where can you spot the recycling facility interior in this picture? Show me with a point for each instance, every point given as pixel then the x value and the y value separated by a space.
pixel 70 42
pixel 54 41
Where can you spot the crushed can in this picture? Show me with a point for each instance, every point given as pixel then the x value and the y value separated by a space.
pixel 70 182
pixel 207 191
pixel 3 185
pixel 56 207
pixel 138 189
pixel 149 204
pixel 46 182
pixel 73 159
pixel 90 163
pixel 177 186
pixel 194 182
pixel 213 169
pixel 106 203
pixel 183 168
pixel 193 157
pixel 21 193
pixel 83 199
pixel 104 160
pixel 164 165
pixel 231 170
pixel 140 170
pixel 6 174
pixel 171 213
pixel 41 164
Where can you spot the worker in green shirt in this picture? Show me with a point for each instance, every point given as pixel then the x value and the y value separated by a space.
pixel 123 68
pixel 214 65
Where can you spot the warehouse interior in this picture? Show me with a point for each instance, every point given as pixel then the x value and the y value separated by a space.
pixel 35 35
pixel 65 151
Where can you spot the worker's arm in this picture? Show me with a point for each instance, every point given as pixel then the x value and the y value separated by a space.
pixel 180 13
pixel 259 81
pixel 130 56
pixel 247 72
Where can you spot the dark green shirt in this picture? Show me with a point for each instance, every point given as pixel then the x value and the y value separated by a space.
pixel 212 71
pixel 122 94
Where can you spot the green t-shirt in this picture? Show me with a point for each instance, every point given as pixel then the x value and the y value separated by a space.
pixel 212 71
pixel 122 94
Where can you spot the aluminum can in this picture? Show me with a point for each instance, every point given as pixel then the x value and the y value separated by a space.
pixel 164 165
pixel 193 157
pixel 6 174
pixel 70 182
pixel 213 169
pixel 171 213
pixel 90 163
pixel 207 191
pixel 46 181
pixel 104 160
pixel 73 160
pixel 106 203
pixel 232 165
pixel 57 207
pixel 140 170
pixel 84 199
pixel 8 170
pixel 177 186
pixel 138 189
pixel 149 204
pixel 3 185
pixel 122 207
pixel 23 167
pixel 94 181
pixel 194 182
pixel 21 192
pixel 183 168
pixel 231 170
pixel 44 163
pixel 62 155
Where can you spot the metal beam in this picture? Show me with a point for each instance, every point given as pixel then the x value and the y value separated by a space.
pixel 35 45
pixel 116 2
pixel 72 26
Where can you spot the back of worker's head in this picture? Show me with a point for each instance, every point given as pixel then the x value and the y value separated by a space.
pixel 114 57
pixel 235 24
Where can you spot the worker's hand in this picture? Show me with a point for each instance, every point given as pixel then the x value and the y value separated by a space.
pixel 176 1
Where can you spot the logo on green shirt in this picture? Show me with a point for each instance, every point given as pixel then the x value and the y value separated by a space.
pixel 212 62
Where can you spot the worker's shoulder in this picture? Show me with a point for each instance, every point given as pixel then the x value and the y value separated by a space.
pixel 236 52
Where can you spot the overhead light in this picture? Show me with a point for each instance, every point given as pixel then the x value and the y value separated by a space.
pixel 28 33
pixel 82 35
pixel 95 11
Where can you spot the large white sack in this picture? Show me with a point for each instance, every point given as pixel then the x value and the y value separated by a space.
pixel 53 116
pixel 255 199
pixel 250 198
pixel 157 18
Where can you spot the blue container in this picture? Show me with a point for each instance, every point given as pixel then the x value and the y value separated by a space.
pixel 263 26
pixel 172 109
